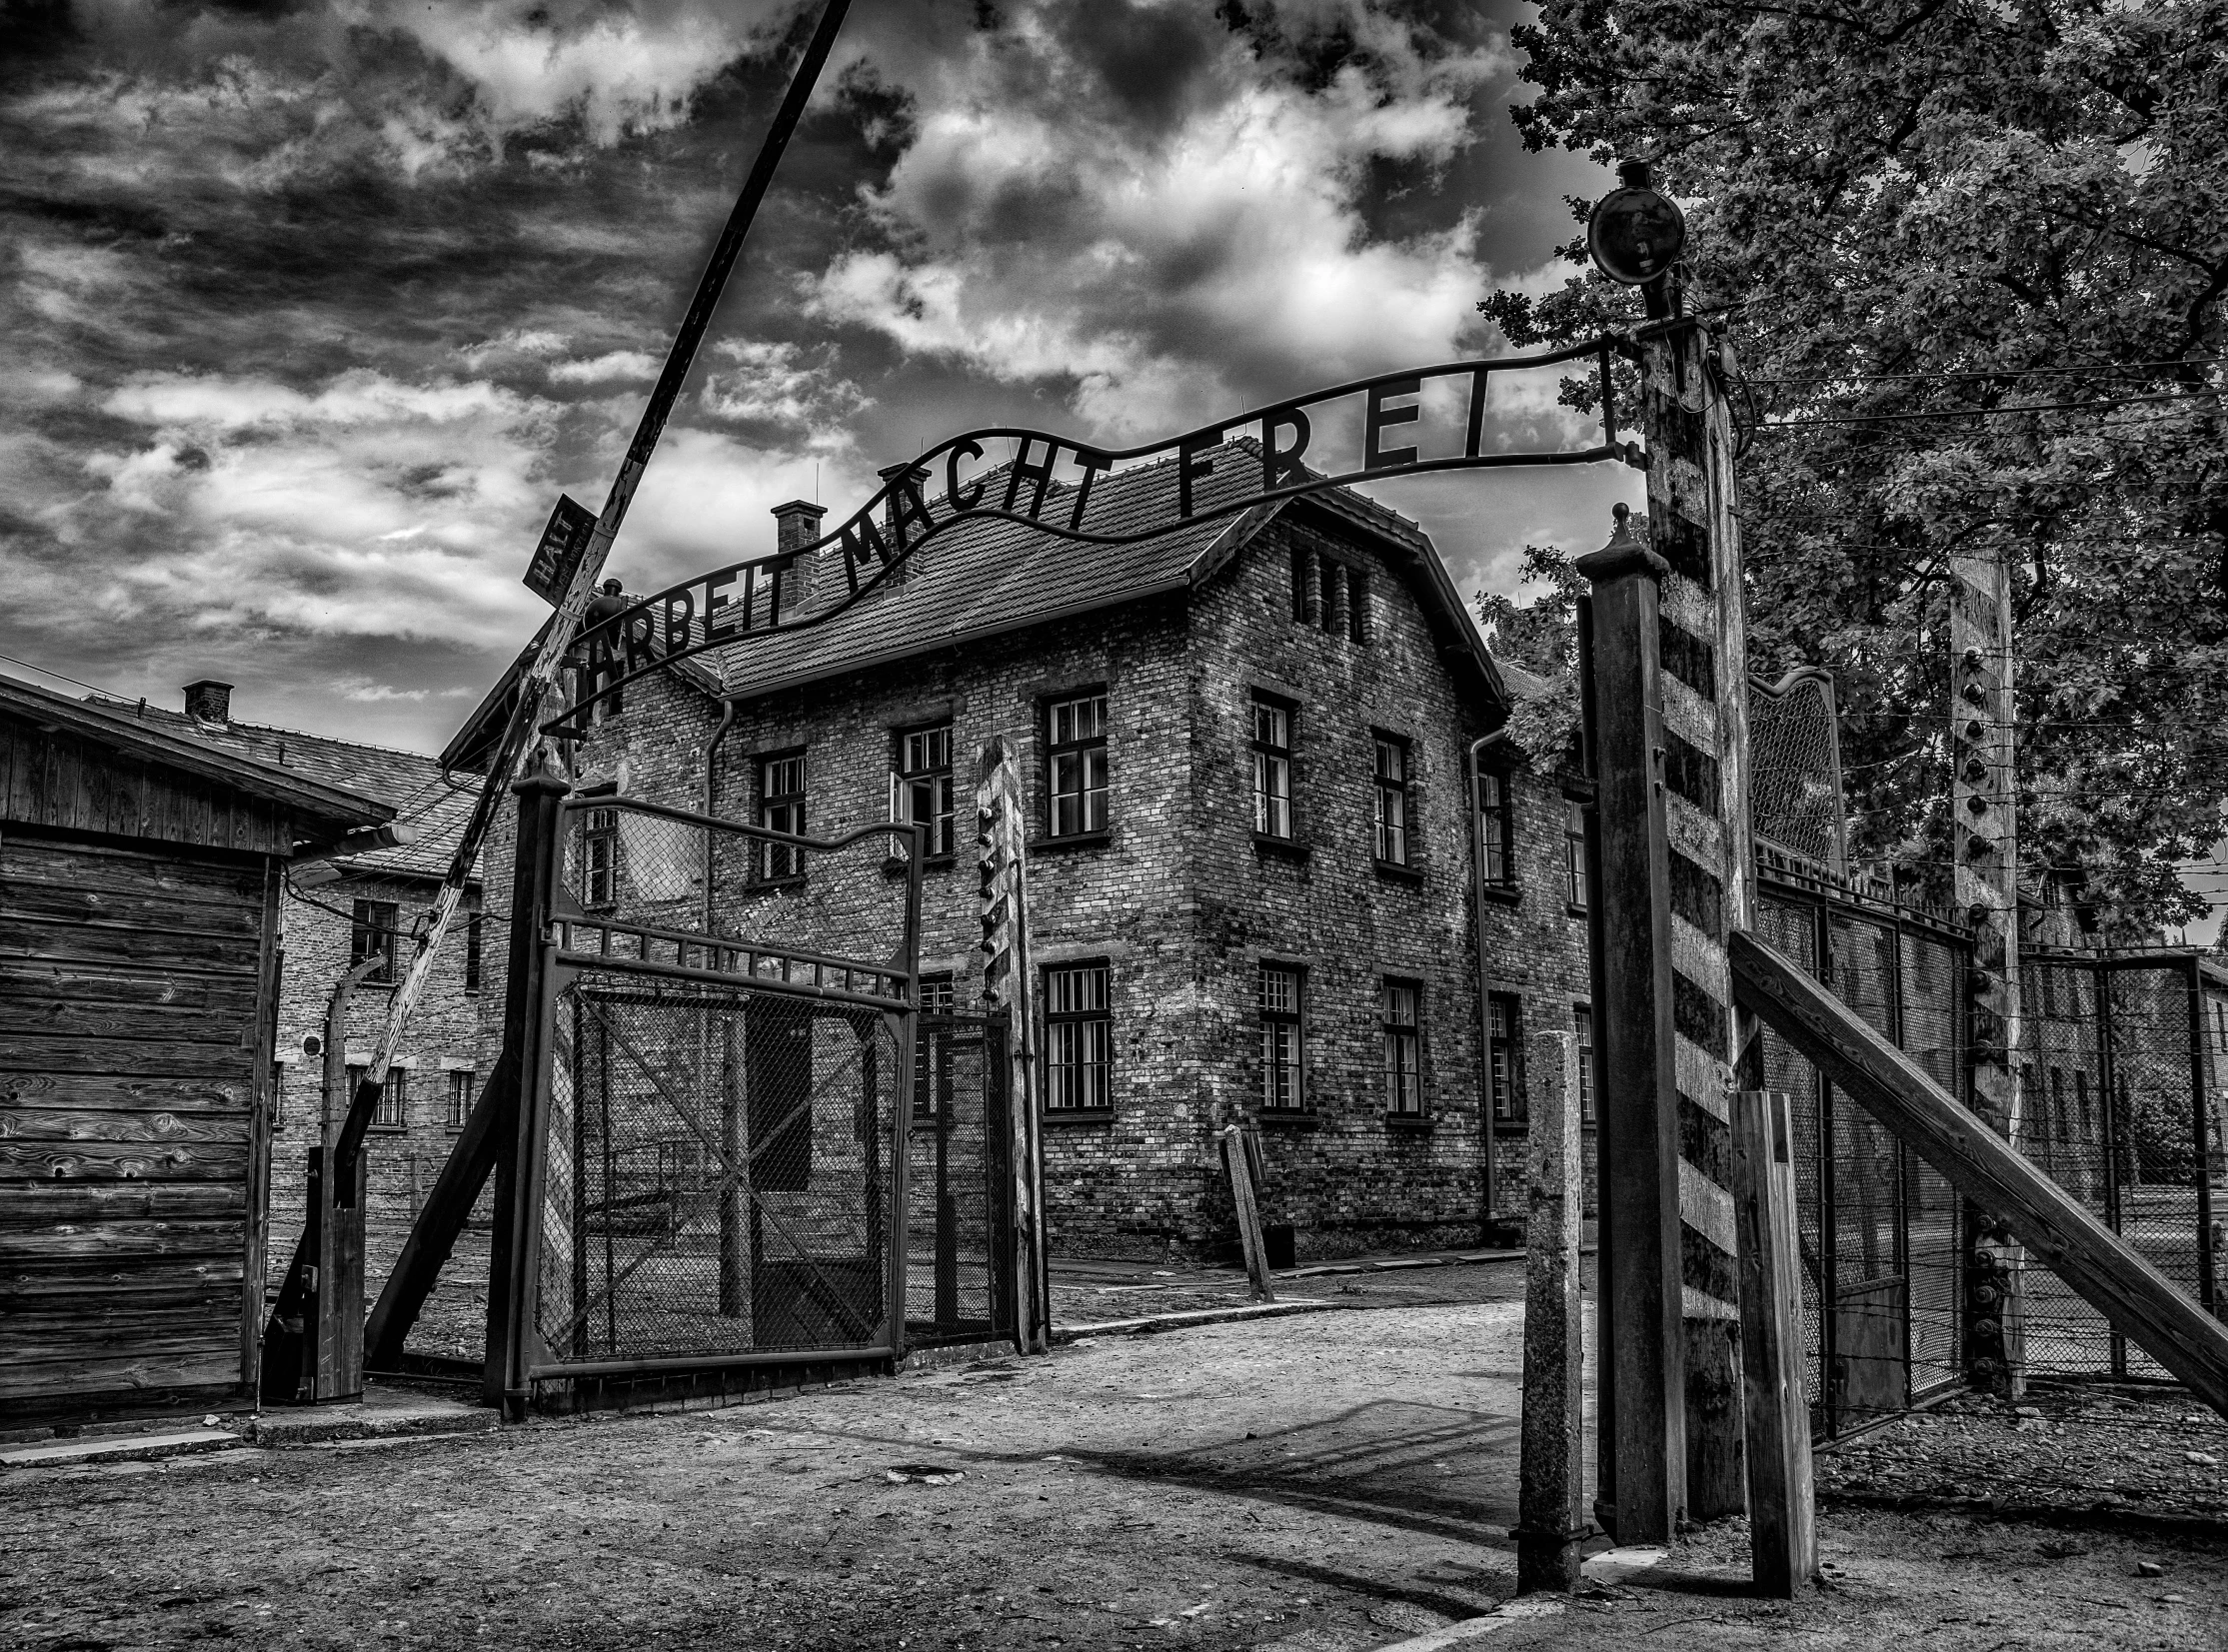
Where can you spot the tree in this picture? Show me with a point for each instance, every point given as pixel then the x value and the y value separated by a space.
pixel 1541 638
pixel 1972 258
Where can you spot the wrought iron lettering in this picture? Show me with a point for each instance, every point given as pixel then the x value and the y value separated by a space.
pixel 1049 484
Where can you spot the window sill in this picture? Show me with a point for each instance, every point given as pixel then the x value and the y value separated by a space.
pixel 1402 1122
pixel 770 885
pixel 1398 871
pixel 1573 909
pixel 1078 1116
pixel 1077 839
pixel 1293 1117
pixel 1506 894
pixel 1292 848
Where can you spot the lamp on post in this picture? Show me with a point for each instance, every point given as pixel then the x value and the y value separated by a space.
pixel 1635 235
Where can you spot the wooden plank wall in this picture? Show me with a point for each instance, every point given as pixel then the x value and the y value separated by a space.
pixel 49 777
pixel 134 1053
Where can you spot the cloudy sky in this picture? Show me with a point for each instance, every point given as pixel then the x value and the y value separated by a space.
pixel 312 310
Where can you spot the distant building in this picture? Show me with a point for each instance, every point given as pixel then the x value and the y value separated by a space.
pixel 329 924
pixel 1278 874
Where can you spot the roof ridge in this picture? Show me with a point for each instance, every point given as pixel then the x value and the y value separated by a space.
pixel 232 724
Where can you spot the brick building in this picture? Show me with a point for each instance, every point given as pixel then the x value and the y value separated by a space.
pixel 327 923
pixel 1271 836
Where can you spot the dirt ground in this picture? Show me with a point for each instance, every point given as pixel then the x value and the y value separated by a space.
pixel 453 1324
pixel 1328 1482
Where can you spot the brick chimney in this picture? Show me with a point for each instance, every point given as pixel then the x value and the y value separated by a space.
pixel 209 700
pixel 888 474
pixel 795 523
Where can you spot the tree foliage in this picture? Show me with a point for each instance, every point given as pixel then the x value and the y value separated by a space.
pixel 1971 257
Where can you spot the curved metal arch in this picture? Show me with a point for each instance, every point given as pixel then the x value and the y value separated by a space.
pixel 671 625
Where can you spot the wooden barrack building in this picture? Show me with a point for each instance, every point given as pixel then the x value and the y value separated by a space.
pixel 139 874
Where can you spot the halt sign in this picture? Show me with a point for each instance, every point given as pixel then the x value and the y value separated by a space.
pixel 557 559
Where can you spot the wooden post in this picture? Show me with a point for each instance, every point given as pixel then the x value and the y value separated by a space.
pixel 1669 680
pixel 315 1338
pixel 2088 1258
pixel 1782 1498
pixel 533 898
pixel 1551 1496
pixel 1635 1039
pixel 1985 845
pixel 1007 983
pixel 448 1208
pixel 1236 1155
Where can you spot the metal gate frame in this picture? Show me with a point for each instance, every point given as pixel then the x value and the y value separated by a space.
pixel 1002 1303
pixel 1785 882
pixel 546 954
pixel 2184 970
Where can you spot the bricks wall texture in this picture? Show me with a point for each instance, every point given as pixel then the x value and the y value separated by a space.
pixel 1177 898
pixel 445 1033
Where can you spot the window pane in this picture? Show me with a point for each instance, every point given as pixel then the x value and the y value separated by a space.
pixel 1094 789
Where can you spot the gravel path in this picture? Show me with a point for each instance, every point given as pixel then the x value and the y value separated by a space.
pixel 1328 1482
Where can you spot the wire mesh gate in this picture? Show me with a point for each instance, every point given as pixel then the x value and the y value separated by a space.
pixel 958 1184
pixel 2120 1108
pixel 1880 1230
pixel 728 1097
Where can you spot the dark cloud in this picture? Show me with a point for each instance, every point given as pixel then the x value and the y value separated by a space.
pixel 313 311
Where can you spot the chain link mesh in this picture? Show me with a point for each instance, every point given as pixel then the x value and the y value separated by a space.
pixel 2113 1107
pixel 1794 779
pixel 717 1173
pixel 958 1254
pixel 1879 1229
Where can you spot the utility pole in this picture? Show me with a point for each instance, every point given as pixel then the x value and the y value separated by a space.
pixel 1985 840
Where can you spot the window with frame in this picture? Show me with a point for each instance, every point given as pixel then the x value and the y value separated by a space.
pixel 1304 583
pixel 1076 764
pixel 932 1051
pixel 1399 1002
pixel 1504 1074
pixel 1583 1015
pixel 920 786
pixel 1333 578
pixel 1273 767
pixel 599 857
pixel 1283 999
pixel 1391 791
pixel 278 1096
pixel 464 1085
pixel 1574 851
pixel 475 950
pixel 371 935
pixel 1495 830
pixel 1078 1038
pixel 780 808
pixel 1357 606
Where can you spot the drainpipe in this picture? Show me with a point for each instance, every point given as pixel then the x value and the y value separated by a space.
pixel 711 760
pixel 1485 1008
